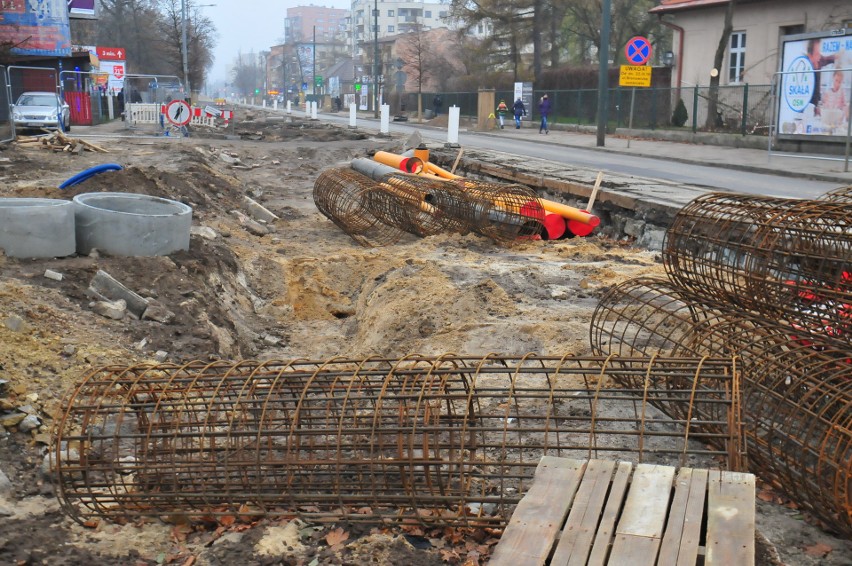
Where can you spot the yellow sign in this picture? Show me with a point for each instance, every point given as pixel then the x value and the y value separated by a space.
pixel 634 75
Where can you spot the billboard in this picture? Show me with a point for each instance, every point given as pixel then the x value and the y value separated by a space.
pixel 36 27
pixel 816 85
pixel 83 9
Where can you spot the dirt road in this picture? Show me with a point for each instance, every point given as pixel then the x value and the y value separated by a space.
pixel 297 287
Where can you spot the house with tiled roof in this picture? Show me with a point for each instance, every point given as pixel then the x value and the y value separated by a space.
pixel 754 49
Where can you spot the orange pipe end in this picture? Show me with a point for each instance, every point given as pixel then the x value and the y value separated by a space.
pixel 435 170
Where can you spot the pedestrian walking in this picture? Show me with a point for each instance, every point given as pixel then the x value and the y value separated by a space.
pixel 544 110
pixel 502 110
pixel 519 110
pixel 437 102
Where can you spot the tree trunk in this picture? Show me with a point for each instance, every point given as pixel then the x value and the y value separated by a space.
pixel 538 26
pixel 718 60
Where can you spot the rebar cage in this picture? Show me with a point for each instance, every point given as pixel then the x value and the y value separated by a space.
pixel 448 440
pixel 768 281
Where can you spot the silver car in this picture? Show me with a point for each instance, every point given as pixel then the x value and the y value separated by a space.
pixel 41 110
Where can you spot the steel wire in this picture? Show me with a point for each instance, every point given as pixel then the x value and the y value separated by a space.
pixel 796 392
pixel 448 440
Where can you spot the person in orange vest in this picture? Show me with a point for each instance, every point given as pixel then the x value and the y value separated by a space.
pixel 502 110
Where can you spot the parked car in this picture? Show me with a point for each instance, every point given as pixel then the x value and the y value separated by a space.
pixel 41 110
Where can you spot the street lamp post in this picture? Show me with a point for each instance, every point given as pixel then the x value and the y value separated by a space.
pixel 376 57
pixel 184 50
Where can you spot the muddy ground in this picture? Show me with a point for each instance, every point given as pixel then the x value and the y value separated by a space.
pixel 302 289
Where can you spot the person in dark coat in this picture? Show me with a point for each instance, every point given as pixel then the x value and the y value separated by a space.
pixel 544 110
pixel 437 102
pixel 519 110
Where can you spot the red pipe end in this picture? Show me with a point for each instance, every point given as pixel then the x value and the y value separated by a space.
pixel 554 227
pixel 411 165
pixel 581 228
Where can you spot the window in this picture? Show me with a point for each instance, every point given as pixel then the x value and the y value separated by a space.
pixel 390 13
pixel 791 30
pixel 428 13
pixel 390 29
pixel 736 54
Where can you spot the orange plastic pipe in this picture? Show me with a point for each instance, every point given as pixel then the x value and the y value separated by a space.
pixel 570 213
pixel 406 164
pixel 435 170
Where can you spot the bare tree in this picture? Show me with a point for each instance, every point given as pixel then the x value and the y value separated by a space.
pixel 414 49
pixel 713 98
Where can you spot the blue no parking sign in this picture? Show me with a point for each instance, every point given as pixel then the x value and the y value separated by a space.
pixel 638 50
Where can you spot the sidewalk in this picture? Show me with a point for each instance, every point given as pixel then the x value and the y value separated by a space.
pixel 739 158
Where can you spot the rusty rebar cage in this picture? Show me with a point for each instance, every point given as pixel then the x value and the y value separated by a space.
pixel 409 202
pixel 448 440
pixel 840 194
pixel 783 259
pixel 344 197
pixel 503 212
pixel 797 393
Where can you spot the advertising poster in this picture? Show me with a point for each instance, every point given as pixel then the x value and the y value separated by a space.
pixel 816 82
pixel 525 92
pixel 36 27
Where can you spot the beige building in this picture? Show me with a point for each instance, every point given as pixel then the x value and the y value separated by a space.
pixel 753 51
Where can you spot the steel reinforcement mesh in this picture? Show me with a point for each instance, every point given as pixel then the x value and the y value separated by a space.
pixel 770 282
pixel 344 197
pixel 448 440
pixel 425 206
pixel 783 259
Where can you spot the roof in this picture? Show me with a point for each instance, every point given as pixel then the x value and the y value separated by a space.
pixel 667 6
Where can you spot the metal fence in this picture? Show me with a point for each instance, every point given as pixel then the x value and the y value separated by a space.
pixel 7 130
pixel 744 109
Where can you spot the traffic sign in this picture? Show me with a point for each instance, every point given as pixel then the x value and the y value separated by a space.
pixel 357 87
pixel 638 50
pixel 634 75
pixel 318 80
pixel 178 112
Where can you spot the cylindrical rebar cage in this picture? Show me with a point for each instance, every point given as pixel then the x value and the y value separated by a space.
pixel 407 201
pixel 447 440
pixel 796 394
pixel 343 196
pixel 784 259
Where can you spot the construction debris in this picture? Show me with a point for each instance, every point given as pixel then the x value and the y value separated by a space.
pixel 57 141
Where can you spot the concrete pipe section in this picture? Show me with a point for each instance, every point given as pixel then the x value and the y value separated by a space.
pixel 36 227
pixel 126 224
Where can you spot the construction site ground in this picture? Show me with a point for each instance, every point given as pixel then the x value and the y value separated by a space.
pixel 297 287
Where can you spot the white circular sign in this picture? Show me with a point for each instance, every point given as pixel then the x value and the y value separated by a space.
pixel 798 84
pixel 178 112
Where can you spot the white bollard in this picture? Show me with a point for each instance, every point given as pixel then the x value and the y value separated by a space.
pixel 385 117
pixel 307 109
pixel 264 103
pixel 453 125
pixel 352 115
pixel 289 107
pixel 314 110
pixel 275 104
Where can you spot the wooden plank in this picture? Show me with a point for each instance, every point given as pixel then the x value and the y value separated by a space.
pixel 730 519
pixel 683 529
pixel 603 538
pixel 577 536
pixel 640 528
pixel 530 534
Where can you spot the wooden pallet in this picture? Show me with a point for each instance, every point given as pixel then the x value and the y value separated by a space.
pixel 597 512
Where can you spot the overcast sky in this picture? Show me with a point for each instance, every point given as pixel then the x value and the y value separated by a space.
pixel 249 25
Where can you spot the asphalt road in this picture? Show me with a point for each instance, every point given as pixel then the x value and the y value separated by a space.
pixel 771 183
pixel 715 178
